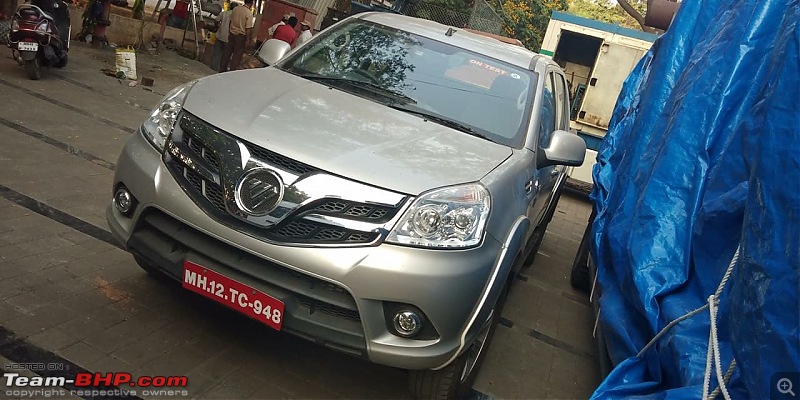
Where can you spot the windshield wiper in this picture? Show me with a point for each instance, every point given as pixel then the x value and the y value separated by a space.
pixel 439 120
pixel 366 85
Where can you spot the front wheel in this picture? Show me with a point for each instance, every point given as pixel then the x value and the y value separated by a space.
pixel 580 277
pixel 455 381
pixel 34 68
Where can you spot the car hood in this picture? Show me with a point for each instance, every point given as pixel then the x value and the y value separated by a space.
pixel 341 133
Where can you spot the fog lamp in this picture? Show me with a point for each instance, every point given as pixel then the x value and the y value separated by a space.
pixel 407 323
pixel 123 200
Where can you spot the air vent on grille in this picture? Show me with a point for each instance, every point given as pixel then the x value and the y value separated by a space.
pixel 332 206
pixel 278 160
pixel 315 232
pixel 201 150
pixel 352 210
pixel 211 192
pixel 194 179
pixel 325 308
pixel 358 237
pixel 211 160
pixel 296 229
pixel 329 234
pixel 378 214
pixel 358 211
pixel 215 196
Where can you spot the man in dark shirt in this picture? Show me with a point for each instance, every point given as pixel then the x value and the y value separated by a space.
pixel 287 32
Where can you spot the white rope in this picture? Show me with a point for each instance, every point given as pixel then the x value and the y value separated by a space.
pixel 669 326
pixel 713 353
pixel 707 374
pixel 727 379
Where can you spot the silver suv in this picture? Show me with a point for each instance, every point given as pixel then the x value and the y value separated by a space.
pixel 373 191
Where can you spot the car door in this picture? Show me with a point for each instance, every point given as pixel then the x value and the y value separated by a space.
pixel 547 186
pixel 542 179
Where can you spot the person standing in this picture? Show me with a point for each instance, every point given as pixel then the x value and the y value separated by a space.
pixel 250 28
pixel 287 32
pixel 240 19
pixel 305 33
pixel 179 15
pixel 220 61
pixel 271 30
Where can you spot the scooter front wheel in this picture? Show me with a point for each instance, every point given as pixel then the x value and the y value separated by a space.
pixel 34 68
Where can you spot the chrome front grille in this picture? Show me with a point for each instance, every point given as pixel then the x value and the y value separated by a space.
pixel 204 161
pixel 209 189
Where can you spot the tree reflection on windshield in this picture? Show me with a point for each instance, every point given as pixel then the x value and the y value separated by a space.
pixel 490 97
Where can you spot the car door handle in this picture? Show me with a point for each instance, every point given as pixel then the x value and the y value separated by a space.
pixel 528 187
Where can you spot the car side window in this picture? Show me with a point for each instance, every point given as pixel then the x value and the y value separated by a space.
pixel 561 102
pixel 547 120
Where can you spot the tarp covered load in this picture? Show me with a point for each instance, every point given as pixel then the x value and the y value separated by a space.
pixel 703 158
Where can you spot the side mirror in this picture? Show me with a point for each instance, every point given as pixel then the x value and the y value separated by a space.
pixel 272 51
pixel 565 149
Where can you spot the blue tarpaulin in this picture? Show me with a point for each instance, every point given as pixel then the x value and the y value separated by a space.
pixel 703 157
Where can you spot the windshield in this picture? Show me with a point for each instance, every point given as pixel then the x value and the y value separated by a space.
pixel 433 80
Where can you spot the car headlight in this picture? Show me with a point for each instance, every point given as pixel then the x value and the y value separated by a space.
pixel 451 217
pixel 158 126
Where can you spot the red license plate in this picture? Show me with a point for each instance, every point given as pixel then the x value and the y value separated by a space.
pixel 233 294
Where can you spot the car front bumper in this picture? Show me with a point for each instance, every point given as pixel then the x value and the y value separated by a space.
pixel 320 286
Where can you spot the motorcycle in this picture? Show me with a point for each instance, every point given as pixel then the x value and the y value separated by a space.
pixel 39 36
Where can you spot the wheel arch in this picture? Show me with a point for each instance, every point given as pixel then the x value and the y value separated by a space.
pixel 512 248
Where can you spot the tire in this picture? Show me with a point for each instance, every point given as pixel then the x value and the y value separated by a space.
pixel 34 68
pixel 542 228
pixel 537 243
pixel 62 62
pixel 449 383
pixel 579 275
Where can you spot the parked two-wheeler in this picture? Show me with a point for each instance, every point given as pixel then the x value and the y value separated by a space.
pixel 39 35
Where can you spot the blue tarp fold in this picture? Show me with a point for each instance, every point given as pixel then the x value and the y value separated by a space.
pixel 703 157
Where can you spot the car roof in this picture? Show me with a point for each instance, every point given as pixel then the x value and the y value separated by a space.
pixel 464 38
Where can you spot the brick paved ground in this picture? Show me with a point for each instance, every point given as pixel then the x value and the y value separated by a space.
pixel 79 298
